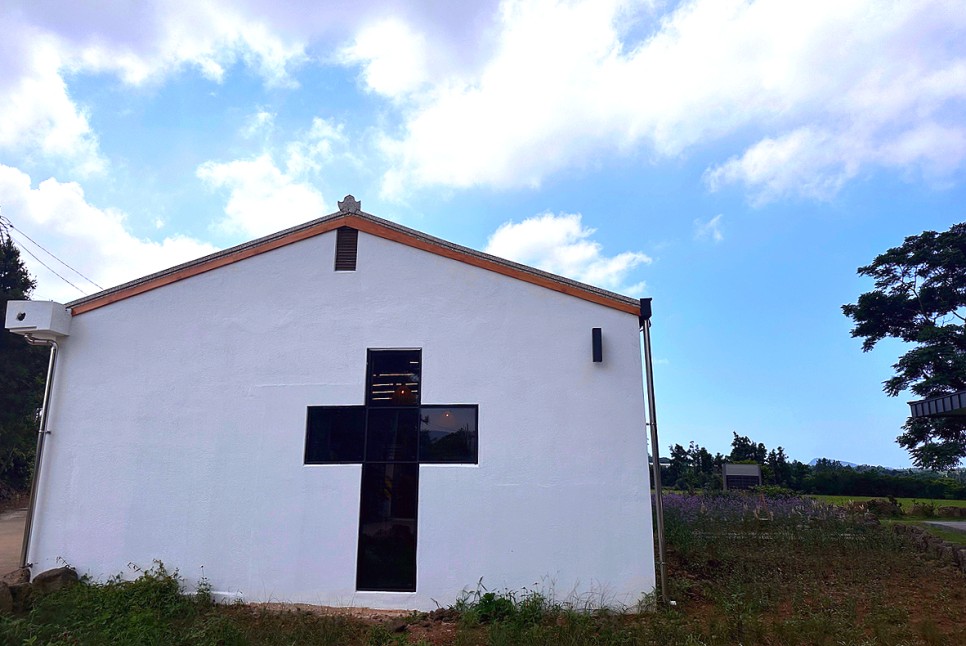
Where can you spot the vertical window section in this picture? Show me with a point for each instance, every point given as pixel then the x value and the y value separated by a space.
pixel 346 247
pixel 394 377
pixel 390 473
pixel 387 527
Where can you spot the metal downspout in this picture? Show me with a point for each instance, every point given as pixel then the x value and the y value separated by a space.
pixel 645 321
pixel 41 436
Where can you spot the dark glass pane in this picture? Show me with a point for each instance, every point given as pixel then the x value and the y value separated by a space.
pixel 387 528
pixel 392 435
pixel 394 377
pixel 335 434
pixel 448 434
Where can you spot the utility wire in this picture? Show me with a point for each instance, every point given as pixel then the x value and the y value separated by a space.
pixel 21 232
pixel 23 248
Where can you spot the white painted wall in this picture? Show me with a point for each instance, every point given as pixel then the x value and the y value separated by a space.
pixel 178 426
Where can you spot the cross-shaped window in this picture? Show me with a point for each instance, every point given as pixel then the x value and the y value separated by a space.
pixel 391 436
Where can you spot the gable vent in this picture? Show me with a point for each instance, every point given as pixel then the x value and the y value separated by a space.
pixel 346 244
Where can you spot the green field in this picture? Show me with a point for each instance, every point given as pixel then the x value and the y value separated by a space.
pixel 905 502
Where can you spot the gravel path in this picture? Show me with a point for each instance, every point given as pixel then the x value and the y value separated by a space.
pixel 951 524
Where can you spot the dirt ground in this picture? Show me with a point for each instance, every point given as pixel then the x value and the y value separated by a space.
pixel 11 538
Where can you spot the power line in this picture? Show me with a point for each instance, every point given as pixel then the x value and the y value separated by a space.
pixel 23 248
pixel 21 232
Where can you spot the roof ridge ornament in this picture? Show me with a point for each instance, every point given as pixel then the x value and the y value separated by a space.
pixel 350 205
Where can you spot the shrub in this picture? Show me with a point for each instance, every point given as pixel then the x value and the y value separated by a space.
pixel 882 508
pixel 774 491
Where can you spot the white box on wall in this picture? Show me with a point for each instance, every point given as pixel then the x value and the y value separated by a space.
pixel 40 319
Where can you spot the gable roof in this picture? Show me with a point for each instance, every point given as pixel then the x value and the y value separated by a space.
pixel 350 215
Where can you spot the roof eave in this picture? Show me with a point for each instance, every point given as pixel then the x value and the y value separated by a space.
pixel 366 223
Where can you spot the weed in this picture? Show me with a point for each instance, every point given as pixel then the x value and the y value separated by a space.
pixel 750 569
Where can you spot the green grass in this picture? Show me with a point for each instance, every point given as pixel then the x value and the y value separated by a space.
pixel 954 536
pixel 750 570
pixel 906 503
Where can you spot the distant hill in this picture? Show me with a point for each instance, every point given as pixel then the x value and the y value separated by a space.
pixel 865 467
pixel 842 463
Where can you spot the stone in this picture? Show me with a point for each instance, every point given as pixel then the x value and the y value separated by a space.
pixel 20 575
pixel 6 599
pixel 350 205
pixel 21 594
pixel 53 580
pixel 444 614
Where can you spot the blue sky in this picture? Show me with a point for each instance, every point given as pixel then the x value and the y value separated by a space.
pixel 736 161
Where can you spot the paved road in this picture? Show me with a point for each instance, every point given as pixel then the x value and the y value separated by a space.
pixel 11 538
pixel 951 524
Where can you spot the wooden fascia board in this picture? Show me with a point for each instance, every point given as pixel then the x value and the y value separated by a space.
pixel 366 226
pixel 214 263
pixel 374 228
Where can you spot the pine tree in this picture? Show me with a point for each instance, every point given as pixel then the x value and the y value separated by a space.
pixel 22 374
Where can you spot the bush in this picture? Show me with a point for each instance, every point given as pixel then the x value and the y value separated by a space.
pixel 523 609
pixel 774 491
pixel 150 609
pixel 882 508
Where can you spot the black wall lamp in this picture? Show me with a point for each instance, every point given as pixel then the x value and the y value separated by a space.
pixel 597 344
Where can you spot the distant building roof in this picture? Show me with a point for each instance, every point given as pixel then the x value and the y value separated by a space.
pixel 740 476
pixel 350 215
pixel 943 406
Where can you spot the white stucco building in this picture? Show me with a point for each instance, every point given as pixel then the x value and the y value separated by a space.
pixel 382 429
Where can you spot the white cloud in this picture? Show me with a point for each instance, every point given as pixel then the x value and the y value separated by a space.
pixel 710 229
pixel 266 196
pixel 139 43
pixel 143 42
pixel 561 244
pixel 259 124
pixel 817 163
pixel 57 215
pixel 37 115
pixel 393 57
pixel 827 89
pixel 312 149
pixel 262 198
pixel 507 95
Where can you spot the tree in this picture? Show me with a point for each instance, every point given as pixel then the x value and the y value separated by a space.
pixel 693 467
pixel 781 469
pixel 920 298
pixel 22 374
pixel 743 449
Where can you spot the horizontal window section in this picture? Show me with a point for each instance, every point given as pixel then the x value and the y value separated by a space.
pixel 335 434
pixel 448 434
